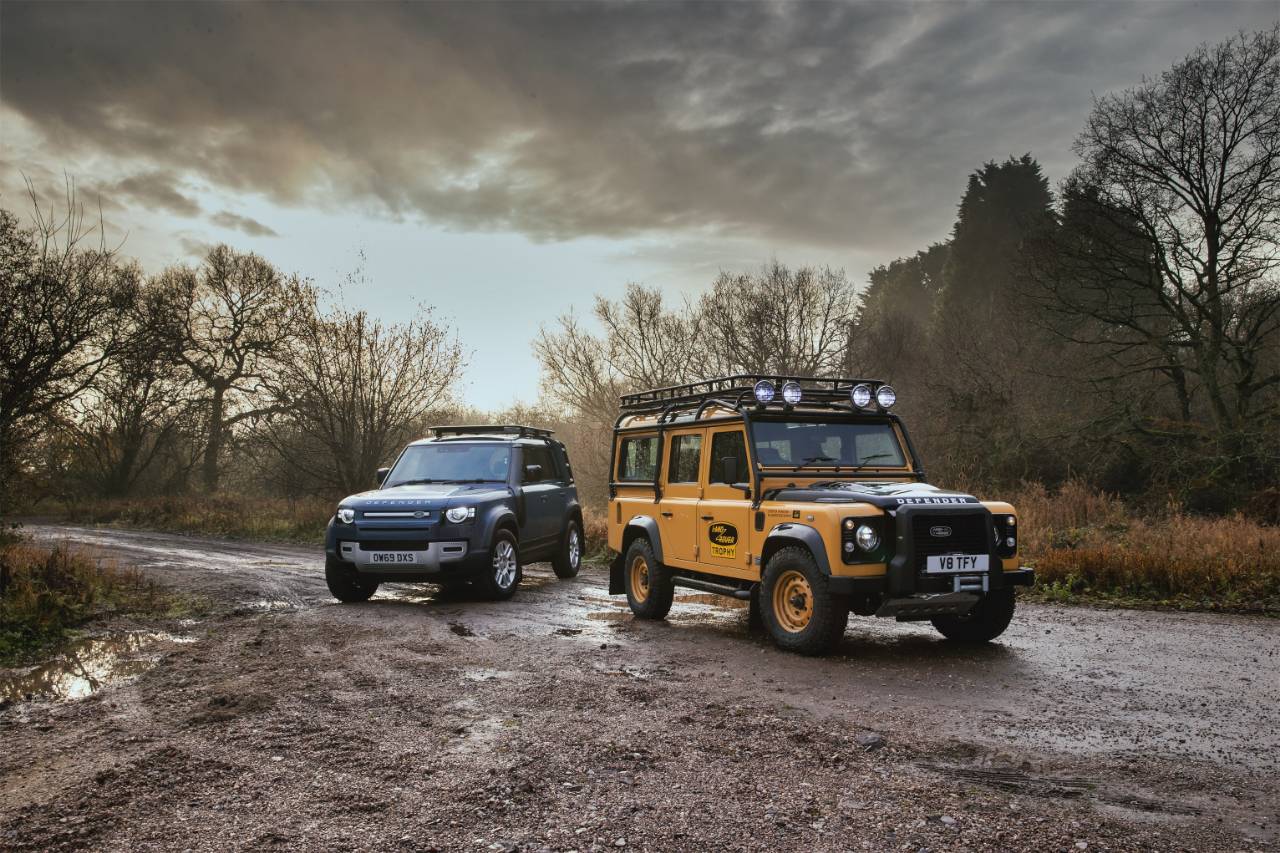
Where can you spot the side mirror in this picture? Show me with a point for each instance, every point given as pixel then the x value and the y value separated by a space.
pixel 381 475
pixel 729 468
pixel 532 473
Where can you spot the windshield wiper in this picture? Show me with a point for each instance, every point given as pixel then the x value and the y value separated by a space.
pixel 810 460
pixel 413 483
pixel 866 459
pixel 474 480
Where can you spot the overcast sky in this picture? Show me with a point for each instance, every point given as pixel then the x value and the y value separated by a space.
pixel 504 163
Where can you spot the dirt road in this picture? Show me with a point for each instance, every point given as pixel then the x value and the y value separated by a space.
pixel 556 721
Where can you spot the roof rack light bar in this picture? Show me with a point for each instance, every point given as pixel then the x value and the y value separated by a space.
pixel 491 429
pixel 816 390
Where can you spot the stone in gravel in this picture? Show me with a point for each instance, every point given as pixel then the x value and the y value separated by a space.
pixel 948 820
pixel 869 741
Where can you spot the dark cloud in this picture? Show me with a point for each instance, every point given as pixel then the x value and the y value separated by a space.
pixel 235 221
pixel 819 124
pixel 154 190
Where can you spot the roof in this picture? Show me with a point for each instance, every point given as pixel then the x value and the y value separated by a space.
pixel 734 394
pixel 489 432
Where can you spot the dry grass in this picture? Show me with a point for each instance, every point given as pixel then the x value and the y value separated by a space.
pixel 1086 544
pixel 236 516
pixel 48 591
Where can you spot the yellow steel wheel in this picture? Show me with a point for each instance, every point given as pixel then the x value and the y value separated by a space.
pixel 640 579
pixel 793 601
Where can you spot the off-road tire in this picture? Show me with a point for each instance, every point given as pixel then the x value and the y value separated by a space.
pixel 650 599
pixel 345 584
pixel 808 620
pixel 568 558
pixel 986 621
pixel 499 582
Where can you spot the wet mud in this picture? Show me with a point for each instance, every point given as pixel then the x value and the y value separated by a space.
pixel 558 721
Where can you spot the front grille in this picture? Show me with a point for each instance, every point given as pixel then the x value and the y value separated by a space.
pixel 968 535
pixel 394 545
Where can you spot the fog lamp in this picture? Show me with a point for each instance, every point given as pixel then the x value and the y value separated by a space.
pixel 346 514
pixel 867 537
pixel 861 396
pixel 848 547
pixel 764 391
pixel 886 396
pixel 791 393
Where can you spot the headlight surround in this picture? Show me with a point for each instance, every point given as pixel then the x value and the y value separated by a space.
pixel 346 514
pixel 459 514
pixel 866 537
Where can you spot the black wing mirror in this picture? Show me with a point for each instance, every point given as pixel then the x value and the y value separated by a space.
pixel 729 469
pixel 532 473
pixel 381 475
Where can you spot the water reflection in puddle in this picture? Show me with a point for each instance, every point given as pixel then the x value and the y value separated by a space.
pixel 87 666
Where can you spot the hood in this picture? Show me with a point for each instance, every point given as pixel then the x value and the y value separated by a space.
pixel 882 495
pixel 425 496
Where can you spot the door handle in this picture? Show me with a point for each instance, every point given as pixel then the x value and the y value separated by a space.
pixel 666 515
pixel 708 518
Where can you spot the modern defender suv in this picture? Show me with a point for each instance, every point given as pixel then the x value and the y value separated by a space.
pixel 471 504
pixel 806 497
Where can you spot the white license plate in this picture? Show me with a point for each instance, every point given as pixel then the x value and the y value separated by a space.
pixel 393 557
pixel 956 563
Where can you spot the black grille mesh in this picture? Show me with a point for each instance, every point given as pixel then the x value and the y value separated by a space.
pixel 968 535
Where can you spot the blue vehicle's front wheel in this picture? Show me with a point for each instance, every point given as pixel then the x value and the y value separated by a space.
pixel 500 579
pixel 345 583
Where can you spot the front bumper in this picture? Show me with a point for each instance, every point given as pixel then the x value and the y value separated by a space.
pixel 432 557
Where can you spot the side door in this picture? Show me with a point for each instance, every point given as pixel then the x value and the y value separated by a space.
pixel 724 513
pixel 543 496
pixel 678 513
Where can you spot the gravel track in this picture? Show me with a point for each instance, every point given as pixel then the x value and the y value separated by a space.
pixel 556 721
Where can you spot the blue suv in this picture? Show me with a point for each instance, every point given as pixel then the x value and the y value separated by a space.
pixel 470 505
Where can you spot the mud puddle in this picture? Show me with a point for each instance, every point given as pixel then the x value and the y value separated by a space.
pixel 85 667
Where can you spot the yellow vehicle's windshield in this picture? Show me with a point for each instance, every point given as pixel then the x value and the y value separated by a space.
pixel 821 445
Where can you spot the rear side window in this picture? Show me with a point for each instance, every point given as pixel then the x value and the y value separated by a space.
pixel 638 458
pixel 539 454
pixel 728 444
pixel 686 451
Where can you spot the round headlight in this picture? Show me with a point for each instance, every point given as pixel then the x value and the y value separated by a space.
pixel 861 396
pixel 346 514
pixel 791 393
pixel 458 514
pixel 867 537
pixel 764 391
pixel 886 396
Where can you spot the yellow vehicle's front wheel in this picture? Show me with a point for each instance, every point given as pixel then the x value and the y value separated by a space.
pixel 800 611
pixel 649 587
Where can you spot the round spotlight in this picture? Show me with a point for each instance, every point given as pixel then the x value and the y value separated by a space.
pixel 764 391
pixel 791 393
pixel 861 396
pixel 886 396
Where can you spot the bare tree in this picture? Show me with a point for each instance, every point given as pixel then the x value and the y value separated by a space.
pixel 229 323
pixel 779 321
pixel 60 307
pixel 1172 265
pixel 357 389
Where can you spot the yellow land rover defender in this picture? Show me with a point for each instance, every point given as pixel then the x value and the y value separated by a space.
pixel 805 497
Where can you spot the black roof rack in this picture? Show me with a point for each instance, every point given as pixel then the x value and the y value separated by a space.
pixel 738 390
pixel 492 429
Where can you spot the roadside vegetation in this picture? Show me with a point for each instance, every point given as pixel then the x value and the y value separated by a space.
pixel 48 593
pixel 1104 353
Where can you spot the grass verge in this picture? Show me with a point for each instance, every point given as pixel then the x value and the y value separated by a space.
pixel 50 592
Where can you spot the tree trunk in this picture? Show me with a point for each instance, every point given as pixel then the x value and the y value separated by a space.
pixel 213 449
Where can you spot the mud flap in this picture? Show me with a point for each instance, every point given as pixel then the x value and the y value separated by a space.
pixel 616 586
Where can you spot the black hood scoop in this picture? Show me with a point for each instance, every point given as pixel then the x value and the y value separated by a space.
pixel 888 496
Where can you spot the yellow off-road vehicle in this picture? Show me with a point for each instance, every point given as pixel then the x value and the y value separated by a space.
pixel 805 497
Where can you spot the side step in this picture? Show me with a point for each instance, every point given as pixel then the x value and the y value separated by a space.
pixel 708 586
pixel 927 606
